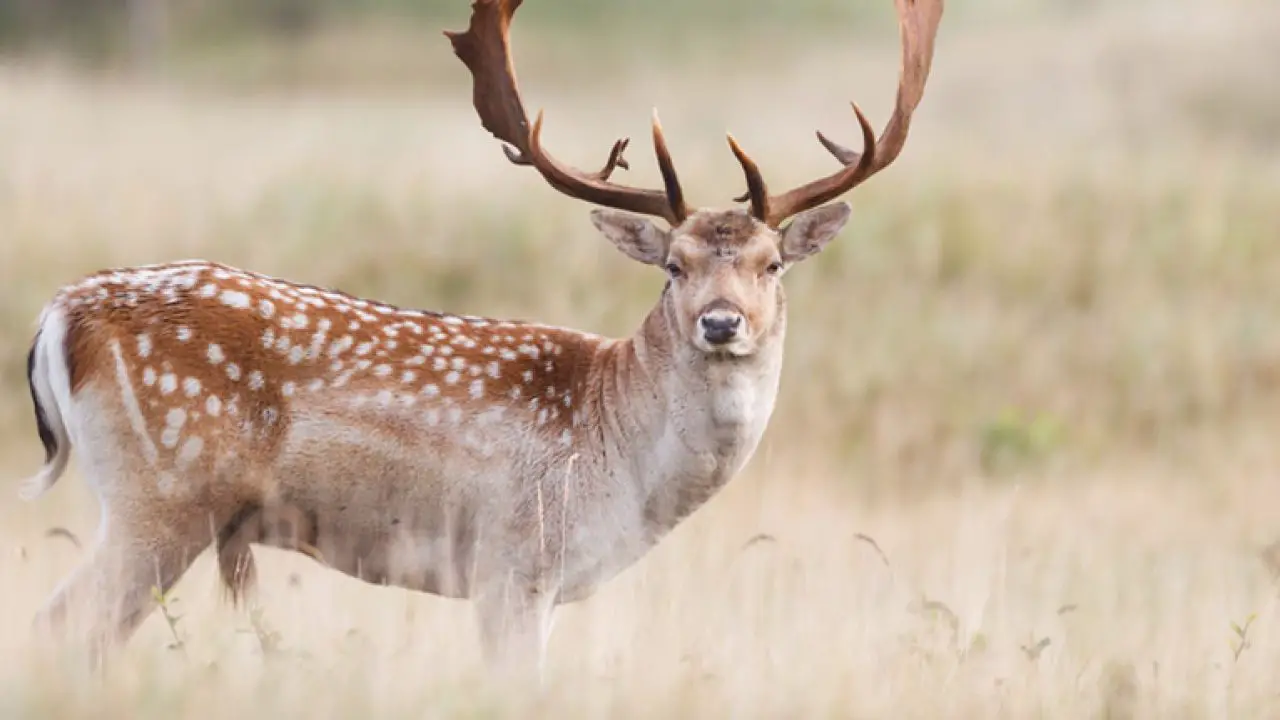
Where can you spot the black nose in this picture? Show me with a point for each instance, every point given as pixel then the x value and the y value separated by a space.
pixel 719 329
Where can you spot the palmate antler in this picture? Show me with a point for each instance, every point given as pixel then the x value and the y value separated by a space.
pixel 485 50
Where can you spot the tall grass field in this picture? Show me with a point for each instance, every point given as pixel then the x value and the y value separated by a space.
pixel 1026 455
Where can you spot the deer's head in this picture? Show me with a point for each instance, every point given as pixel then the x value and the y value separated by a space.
pixel 724 266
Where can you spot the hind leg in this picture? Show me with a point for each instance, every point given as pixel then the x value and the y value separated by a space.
pixel 105 599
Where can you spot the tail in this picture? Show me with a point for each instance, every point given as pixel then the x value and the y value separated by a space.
pixel 49 379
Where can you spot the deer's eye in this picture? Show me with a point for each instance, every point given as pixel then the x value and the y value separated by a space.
pixel 674 270
pixel 774 268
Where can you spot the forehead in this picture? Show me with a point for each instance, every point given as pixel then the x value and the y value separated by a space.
pixel 722 234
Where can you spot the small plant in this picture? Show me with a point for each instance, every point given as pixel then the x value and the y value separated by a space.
pixel 1012 439
pixel 166 603
pixel 1240 641
pixel 1035 648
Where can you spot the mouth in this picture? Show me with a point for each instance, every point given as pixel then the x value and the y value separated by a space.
pixel 736 349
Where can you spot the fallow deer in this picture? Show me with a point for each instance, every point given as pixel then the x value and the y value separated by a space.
pixel 511 463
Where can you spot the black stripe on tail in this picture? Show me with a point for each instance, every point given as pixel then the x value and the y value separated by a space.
pixel 47 437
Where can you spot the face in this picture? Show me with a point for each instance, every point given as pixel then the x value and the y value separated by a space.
pixel 725 268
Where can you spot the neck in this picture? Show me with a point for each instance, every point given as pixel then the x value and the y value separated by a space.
pixel 677 424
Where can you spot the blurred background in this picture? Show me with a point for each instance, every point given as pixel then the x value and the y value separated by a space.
pixel 1078 253
pixel 1069 280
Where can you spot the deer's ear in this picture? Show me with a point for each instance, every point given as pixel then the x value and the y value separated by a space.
pixel 634 235
pixel 811 230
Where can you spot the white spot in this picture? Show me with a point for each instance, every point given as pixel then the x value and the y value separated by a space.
pixel 477 389
pixel 183 333
pixel 268 338
pixel 459 363
pixel 527 376
pixel 299 320
pixel 190 451
pixel 454 414
pixel 266 308
pixel 494 370
pixel 235 298
pixel 446 350
pixel 233 371
pixel 433 416
pixel 213 405
pixel 430 390
pixel 568 400
pixel 408 376
pixel 566 438
pixel 391 344
pixel 144 345
pixel 428 350
pixel 208 290
pixel 363 364
pixel 364 348
pixel 353 326
pixel 168 383
pixel 256 381
pixel 176 418
pixel 287 388
pixel 542 416
pixel 439 364
pixel 382 370
pixel 416 361
pixel 340 346
pixel 284 343
pixel 324 324
pixel 148 376
pixel 191 386
pixel 507 354
pixel 452 320
pixel 452 378
pixel 384 398
pixel 215 353
pixel 297 354
pixel 514 392
pixel 170 436
pixel 316 385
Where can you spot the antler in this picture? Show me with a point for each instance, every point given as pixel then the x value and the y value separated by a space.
pixel 485 49
pixel 918 25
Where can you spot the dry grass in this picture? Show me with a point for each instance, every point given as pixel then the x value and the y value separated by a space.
pixel 1024 461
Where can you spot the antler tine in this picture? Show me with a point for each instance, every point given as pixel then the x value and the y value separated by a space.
pixel 918 27
pixel 485 49
pixel 757 191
